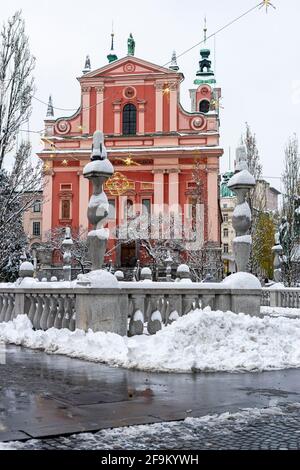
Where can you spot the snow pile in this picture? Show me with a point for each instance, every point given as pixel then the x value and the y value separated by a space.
pixel 281 312
pixel 10 446
pixel 102 234
pixel 242 178
pixel 99 347
pixel 99 166
pixel 241 281
pixel 277 286
pixel 202 341
pixel 99 278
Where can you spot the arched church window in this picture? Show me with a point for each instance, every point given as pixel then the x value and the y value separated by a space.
pixel 129 119
pixel 204 106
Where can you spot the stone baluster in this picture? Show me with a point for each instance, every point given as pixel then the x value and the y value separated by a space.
pixel 165 309
pixel 72 325
pixel 188 304
pixel 32 309
pixel 207 301
pixel 68 313
pixel 137 319
pixel 10 308
pixel 38 313
pixel 52 311
pixel 1 305
pixel 4 308
pixel 46 311
pixel 60 313
pixel 155 319
pixel 175 308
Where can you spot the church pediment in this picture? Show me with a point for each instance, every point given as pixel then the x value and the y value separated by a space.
pixel 126 66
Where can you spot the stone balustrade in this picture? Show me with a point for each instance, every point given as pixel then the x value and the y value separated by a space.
pixel 281 298
pixel 140 305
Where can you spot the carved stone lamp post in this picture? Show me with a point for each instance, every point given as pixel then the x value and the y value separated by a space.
pixel 101 304
pixel 241 183
pixel 67 245
pixel 98 171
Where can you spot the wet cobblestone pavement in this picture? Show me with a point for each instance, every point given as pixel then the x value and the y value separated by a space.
pixel 276 428
pixel 43 397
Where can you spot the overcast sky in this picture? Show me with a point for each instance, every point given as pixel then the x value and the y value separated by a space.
pixel 257 58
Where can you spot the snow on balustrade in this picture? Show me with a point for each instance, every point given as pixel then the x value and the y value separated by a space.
pixel 145 304
pixel 281 297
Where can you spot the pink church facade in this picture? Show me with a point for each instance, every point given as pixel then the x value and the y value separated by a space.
pixel 153 143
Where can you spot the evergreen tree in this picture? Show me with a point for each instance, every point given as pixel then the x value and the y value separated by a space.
pixel 263 241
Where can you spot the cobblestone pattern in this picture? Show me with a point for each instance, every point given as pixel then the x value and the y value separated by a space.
pixel 265 432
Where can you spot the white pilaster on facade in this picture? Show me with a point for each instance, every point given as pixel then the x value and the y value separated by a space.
pixel 86 109
pixel 158 191
pixel 212 203
pixel 117 117
pixel 173 106
pixel 100 108
pixel 173 190
pixel 141 117
pixel 84 196
pixel 159 106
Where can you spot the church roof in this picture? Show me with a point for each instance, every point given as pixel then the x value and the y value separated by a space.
pixel 140 67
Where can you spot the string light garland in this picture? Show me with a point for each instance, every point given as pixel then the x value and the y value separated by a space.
pixel 119 183
pixel 265 3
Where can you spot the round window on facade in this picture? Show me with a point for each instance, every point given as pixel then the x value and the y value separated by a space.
pixel 130 93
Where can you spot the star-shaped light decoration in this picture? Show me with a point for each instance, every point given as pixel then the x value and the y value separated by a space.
pixel 64 163
pixel 129 161
pixel 215 103
pixel 267 4
pixel 47 166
